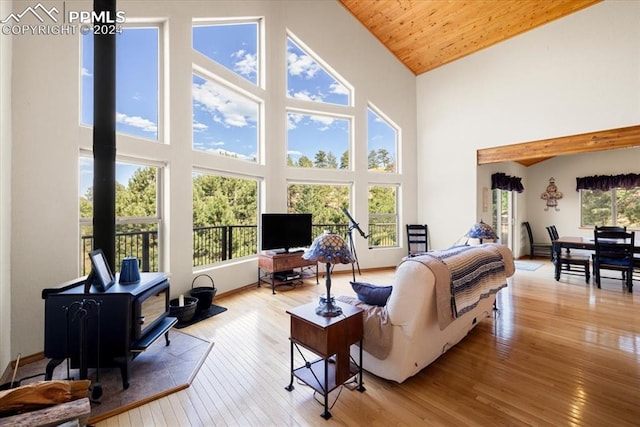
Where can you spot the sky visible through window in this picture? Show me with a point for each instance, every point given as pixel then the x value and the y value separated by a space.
pixel 225 121
pixel 233 46
pixel 381 136
pixel 136 82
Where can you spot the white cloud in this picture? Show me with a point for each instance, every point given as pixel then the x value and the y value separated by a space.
pixel 86 73
pixel 294 153
pixel 302 65
pixel 293 119
pixel 338 89
pixel 323 120
pixel 306 96
pixel 136 122
pixel 224 105
pixel 247 64
pixel 199 127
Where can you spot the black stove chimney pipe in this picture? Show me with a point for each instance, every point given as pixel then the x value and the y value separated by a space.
pixel 104 137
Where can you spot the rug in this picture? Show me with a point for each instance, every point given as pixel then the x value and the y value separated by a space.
pixel 155 373
pixel 527 265
pixel 201 315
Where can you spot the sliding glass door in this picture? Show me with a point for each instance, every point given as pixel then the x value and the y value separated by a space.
pixel 503 216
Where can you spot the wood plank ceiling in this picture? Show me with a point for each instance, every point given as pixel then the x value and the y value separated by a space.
pixel 426 34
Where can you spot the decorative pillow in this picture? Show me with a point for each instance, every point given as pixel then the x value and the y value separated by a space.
pixel 371 294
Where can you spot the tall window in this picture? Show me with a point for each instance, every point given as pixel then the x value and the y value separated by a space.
pixel 382 139
pixel 310 81
pixel 318 138
pixel 138 212
pixel 318 141
pixel 617 206
pixel 225 122
pixel 137 82
pixel 225 218
pixel 383 215
pixel 232 45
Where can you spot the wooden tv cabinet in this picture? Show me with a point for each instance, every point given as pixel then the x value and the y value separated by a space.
pixel 270 264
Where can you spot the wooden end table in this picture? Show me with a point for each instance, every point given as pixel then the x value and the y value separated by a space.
pixel 330 338
pixel 269 264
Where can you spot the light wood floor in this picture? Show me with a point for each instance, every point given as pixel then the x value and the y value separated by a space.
pixel 557 354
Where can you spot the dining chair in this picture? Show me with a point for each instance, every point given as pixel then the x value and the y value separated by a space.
pixel 573 264
pixel 417 238
pixel 537 249
pixel 614 251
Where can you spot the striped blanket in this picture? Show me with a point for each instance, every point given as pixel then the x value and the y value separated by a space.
pixel 464 275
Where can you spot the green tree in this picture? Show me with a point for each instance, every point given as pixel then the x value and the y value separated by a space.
pixel 344 160
pixel 321 160
pixel 382 216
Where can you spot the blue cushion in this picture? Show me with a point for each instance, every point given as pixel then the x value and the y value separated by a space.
pixel 371 294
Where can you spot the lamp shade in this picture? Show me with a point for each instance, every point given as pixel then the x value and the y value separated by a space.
pixel 482 231
pixel 329 248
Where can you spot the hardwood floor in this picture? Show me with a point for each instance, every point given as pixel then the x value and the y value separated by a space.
pixel 557 354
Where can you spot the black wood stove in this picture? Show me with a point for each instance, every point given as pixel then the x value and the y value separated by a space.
pixel 105 329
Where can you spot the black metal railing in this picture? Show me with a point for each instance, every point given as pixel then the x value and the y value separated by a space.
pixel 218 243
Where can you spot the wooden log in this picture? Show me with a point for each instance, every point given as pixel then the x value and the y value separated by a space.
pixel 41 394
pixel 79 409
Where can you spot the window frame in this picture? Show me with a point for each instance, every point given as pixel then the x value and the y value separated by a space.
pixel 613 207
pixel 157 219
pixel 396 146
pixel 161 137
pixel 350 136
pixel 259 192
pixel 395 215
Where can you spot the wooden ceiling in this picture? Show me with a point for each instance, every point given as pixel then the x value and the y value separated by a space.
pixel 425 34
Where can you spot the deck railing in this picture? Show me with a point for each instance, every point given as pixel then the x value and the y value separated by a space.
pixel 218 243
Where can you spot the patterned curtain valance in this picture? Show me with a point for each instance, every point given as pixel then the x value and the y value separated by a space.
pixel 503 181
pixel 608 182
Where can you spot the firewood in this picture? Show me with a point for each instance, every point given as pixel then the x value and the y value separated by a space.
pixel 41 394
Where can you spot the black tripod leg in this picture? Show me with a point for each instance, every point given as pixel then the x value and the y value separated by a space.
pixel 352 247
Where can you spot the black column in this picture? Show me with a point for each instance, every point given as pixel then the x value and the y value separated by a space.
pixel 104 137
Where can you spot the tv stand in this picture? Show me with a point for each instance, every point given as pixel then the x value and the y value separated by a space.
pixel 270 264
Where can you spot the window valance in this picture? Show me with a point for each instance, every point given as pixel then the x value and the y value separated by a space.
pixel 608 182
pixel 503 181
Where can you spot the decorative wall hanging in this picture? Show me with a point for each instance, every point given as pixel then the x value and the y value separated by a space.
pixel 552 195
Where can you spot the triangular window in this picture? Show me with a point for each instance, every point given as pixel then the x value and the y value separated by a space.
pixel 308 80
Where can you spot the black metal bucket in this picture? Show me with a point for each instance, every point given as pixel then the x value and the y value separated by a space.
pixel 185 312
pixel 204 294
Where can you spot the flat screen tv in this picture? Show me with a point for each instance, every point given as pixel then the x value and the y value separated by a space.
pixel 281 232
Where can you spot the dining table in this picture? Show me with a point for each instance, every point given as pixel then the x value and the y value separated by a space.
pixel 573 242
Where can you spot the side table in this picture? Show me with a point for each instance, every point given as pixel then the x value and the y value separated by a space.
pixel 330 338
pixel 269 264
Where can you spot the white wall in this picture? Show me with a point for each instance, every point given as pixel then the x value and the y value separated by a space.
pixel 578 74
pixel 565 170
pixel 47 138
pixel 5 193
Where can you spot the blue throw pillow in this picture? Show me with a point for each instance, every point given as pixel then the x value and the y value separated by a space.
pixel 371 294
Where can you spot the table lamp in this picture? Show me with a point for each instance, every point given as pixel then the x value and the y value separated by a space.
pixel 330 249
pixel 482 231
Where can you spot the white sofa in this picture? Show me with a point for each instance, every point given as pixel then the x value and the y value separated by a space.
pixel 411 312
